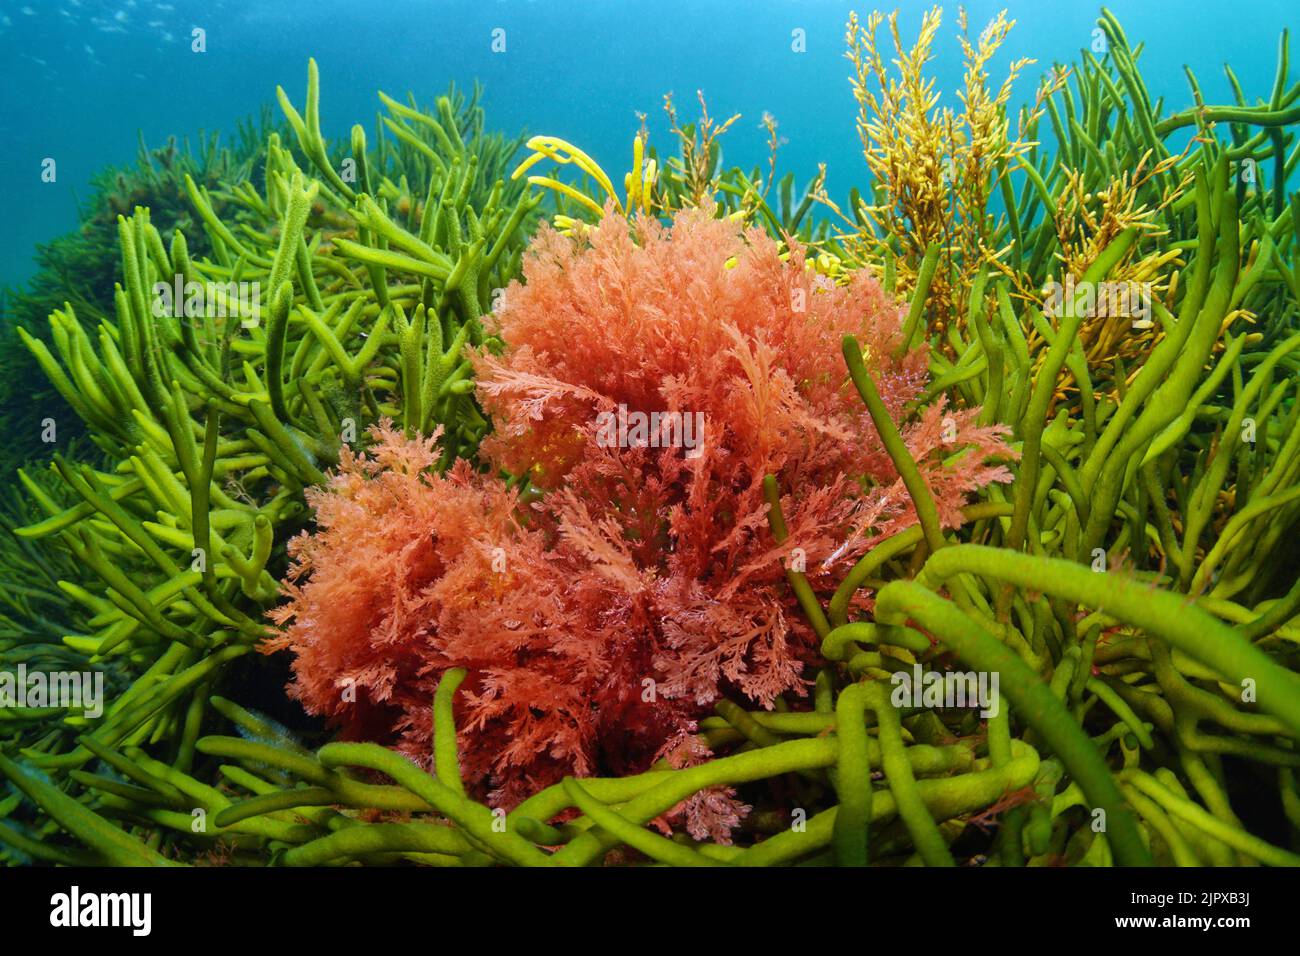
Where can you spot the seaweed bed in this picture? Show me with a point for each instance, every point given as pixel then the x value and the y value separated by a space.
pixel 1019 415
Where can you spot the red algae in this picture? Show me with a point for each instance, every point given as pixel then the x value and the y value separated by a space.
pixel 600 622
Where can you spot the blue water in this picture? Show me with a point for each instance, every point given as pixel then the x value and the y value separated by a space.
pixel 81 77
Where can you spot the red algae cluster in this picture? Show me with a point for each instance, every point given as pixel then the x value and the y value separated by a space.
pixel 600 619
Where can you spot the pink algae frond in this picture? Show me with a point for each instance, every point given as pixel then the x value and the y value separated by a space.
pixel 409 573
pixel 598 623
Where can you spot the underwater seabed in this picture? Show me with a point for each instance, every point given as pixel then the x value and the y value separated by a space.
pixel 435 497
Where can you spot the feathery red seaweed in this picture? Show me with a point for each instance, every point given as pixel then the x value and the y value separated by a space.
pixel 598 623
